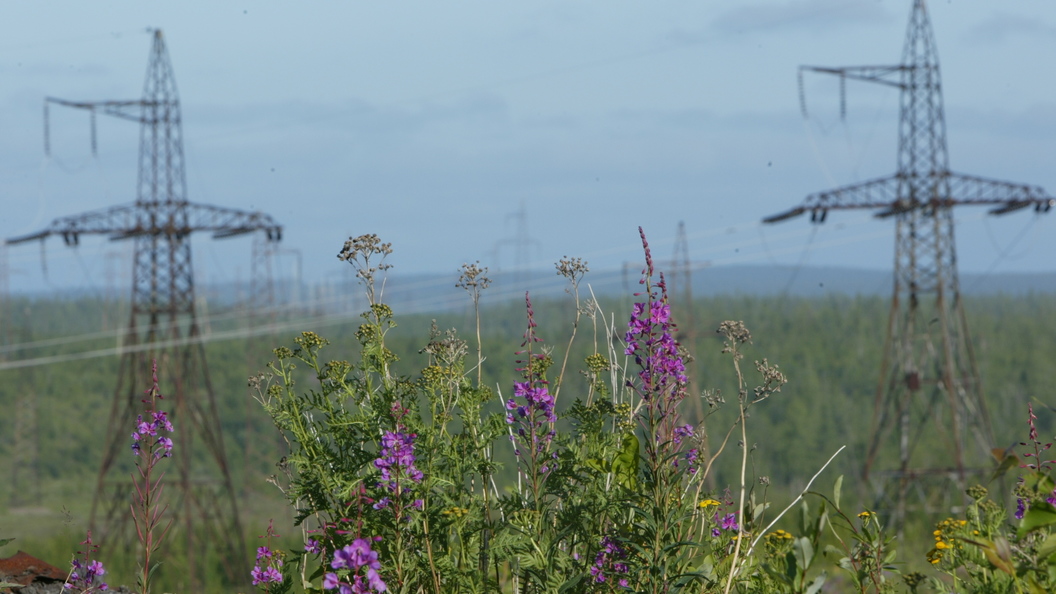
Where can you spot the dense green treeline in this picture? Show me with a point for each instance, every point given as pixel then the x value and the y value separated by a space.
pixel 829 348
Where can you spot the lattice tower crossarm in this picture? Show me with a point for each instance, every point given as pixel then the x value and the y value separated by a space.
pixel 163 317
pixel 928 374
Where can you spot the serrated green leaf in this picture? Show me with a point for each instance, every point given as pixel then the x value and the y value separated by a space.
pixel 836 491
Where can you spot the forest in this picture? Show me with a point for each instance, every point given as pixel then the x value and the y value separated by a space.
pixel 829 348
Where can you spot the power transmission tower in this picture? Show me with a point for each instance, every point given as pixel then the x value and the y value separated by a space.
pixel 522 243
pixel 680 293
pixel 163 327
pixel 261 310
pixel 928 377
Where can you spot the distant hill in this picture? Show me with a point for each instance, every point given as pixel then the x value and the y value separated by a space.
pixel 435 292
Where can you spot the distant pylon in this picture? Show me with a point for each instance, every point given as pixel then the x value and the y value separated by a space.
pixel 260 311
pixel 928 379
pixel 680 293
pixel 163 326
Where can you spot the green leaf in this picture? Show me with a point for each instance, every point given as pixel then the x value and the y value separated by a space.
pixel 625 464
pixel 597 464
pixel 1039 482
pixel 4 541
pixel 1039 515
pixel 1034 587
pixel 1046 548
pixel 836 491
pixel 998 552
pixel 816 585
pixel 830 550
pixel 790 568
pixel 804 551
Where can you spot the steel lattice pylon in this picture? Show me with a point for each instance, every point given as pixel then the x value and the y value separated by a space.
pixel 163 327
pixel 928 376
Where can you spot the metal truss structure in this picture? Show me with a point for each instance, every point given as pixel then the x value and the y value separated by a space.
pixel 928 379
pixel 163 328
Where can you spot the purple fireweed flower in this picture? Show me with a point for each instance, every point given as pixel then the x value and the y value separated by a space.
pixel 396 461
pixel 531 410
pixel 85 573
pixel 313 546
pixel 683 432
pixel 160 445
pixel 650 340
pixel 609 560
pixel 350 560
pixel 398 473
pixel 661 380
pixel 729 522
pixel 1021 508
pixel 267 569
pixel 267 574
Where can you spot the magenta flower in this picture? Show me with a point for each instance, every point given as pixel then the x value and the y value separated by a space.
pixel 608 561
pixel 397 460
pixel 351 559
pixel 86 571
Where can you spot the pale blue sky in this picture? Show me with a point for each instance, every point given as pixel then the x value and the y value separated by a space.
pixel 432 123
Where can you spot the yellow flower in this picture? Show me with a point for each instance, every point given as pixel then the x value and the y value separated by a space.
pixel 865 515
pixel 707 503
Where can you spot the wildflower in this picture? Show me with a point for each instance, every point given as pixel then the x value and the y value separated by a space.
pixel 350 560
pixel 268 565
pixel 533 417
pixel 313 546
pixel 397 460
pixel 84 577
pixel 610 558
pixel 707 503
pixel 661 379
pixel 683 432
pixel 268 574
pixel 729 522
pixel 158 422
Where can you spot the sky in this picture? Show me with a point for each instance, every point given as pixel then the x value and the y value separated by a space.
pixel 518 133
